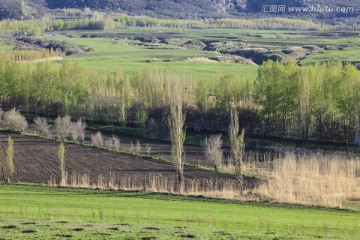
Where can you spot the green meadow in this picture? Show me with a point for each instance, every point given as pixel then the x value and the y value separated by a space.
pixel 32 211
pixel 110 55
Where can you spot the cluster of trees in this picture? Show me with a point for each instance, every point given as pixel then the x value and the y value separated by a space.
pixel 320 101
pixel 269 23
pixel 119 21
pixel 83 24
pixel 38 27
pixel 26 55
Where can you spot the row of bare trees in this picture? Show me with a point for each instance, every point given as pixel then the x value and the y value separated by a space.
pixel 212 145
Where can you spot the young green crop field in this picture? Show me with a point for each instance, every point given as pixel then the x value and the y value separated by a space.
pixel 32 211
pixel 110 55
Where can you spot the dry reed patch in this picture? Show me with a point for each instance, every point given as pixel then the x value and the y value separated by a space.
pixel 200 59
pixel 313 179
pixel 215 188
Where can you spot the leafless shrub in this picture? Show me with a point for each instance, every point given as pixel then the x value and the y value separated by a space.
pixel 108 142
pixel 212 149
pixel 13 120
pixel 113 143
pixel 97 139
pixel 116 143
pixel 138 147
pixel 131 148
pixel 63 127
pixel 77 131
pixel 42 127
pixel 148 149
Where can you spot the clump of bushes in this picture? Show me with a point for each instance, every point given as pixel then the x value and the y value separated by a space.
pixel 42 127
pixel 97 139
pixel 66 129
pixel 13 120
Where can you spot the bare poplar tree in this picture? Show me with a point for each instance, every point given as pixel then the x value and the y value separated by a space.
pixel 2 162
pixel 176 127
pixel 10 158
pixel 237 145
pixel 61 155
pixel 6 161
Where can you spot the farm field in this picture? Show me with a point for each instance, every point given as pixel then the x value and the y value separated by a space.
pixel 36 161
pixel 31 211
pixel 111 52
pixel 111 55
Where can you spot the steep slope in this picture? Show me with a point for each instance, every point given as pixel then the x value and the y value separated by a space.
pixel 10 9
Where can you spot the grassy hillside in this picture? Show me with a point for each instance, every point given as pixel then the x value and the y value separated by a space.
pixel 10 9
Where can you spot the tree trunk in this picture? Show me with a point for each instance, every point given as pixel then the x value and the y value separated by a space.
pixel 181 182
pixel 239 177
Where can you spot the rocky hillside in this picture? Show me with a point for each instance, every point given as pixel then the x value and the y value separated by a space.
pixel 178 8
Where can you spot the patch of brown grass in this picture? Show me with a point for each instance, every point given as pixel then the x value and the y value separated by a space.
pixel 200 59
pixel 315 179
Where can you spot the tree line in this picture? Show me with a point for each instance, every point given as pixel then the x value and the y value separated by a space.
pixel 27 55
pixel 105 22
pixel 320 101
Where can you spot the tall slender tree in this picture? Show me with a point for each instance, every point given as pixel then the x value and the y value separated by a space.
pixel 61 156
pixel 237 145
pixel 6 161
pixel 176 126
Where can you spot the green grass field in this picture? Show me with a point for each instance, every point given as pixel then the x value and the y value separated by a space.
pixel 28 211
pixel 5 44
pixel 108 55
pixel 347 55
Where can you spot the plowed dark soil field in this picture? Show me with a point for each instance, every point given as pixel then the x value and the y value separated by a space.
pixel 36 161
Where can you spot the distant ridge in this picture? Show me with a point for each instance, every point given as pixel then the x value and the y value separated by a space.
pixel 11 9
